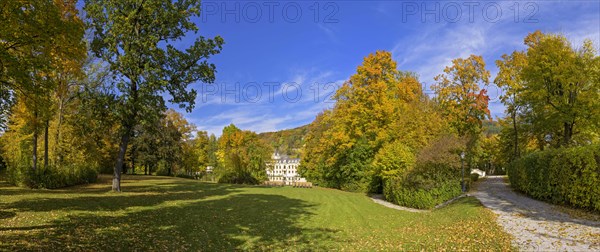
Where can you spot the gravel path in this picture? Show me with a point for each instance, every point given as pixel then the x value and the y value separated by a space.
pixel 378 198
pixel 535 225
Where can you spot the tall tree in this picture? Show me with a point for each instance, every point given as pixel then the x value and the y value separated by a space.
pixel 37 39
pixel 213 148
pixel 458 91
pixel 201 147
pixel 243 156
pixel 561 88
pixel 509 79
pixel 135 39
pixel 175 138
pixel 379 104
pixel 68 57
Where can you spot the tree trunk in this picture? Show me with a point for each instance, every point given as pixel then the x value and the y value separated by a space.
pixel 35 140
pixel 35 136
pixel 116 186
pixel 57 150
pixel 568 127
pixel 46 144
pixel 514 118
pixel 124 170
pixel 145 169
pixel 133 158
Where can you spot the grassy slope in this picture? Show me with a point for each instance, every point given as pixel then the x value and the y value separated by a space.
pixel 157 213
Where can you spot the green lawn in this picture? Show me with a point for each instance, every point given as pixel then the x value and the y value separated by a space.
pixel 171 214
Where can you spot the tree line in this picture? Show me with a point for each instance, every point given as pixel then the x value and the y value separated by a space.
pixel 384 135
pixel 551 94
pixel 86 96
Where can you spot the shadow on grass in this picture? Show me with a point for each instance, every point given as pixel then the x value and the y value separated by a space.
pixel 6 215
pixel 167 217
pixel 129 183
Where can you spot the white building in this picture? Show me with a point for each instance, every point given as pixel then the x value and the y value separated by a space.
pixel 283 168
pixel 478 172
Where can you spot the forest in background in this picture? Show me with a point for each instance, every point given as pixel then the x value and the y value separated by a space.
pixel 288 142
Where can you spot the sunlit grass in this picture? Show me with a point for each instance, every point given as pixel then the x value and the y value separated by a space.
pixel 159 213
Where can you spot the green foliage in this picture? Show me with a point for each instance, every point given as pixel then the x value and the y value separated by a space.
pixel 41 48
pixel 492 127
pixel 162 168
pixel 474 177
pixel 136 40
pixel 243 157
pixel 424 187
pixel 184 175
pixel 392 160
pixel 551 95
pixel 563 176
pixel 231 177
pixel 212 149
pixel 458 92
pixel 378 106
pixel 52 177
pixel 200 154
pixel 2 163
pixel 288 142
pixel 79 137
pixel 561 88
pixel 434 179
pixel 167 147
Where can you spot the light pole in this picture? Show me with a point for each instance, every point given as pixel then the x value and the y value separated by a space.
pixel 462 166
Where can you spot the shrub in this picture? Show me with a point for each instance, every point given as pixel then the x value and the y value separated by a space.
pixel 445 150
pixel 474 177
pixel 2 164
pixel 392 160
pixel 208 177
pixel 424 187
pixel 238 178
pixel 561 176
pixel 184 175
pixel 355 186
pixel 433 179
pixel 52 177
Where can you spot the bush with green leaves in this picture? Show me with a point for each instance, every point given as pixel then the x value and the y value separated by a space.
pixel 561 176
pixel 238 178
pixel 474 177
pixel 392 160
pixel 52 177
pixel 427 179
pixel 185 175
pixel 2 164
pixel 424 187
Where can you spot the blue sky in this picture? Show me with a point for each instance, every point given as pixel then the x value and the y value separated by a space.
pixel 290 46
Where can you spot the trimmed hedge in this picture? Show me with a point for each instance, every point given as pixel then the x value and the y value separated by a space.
pixel 424 187
pixel 562 176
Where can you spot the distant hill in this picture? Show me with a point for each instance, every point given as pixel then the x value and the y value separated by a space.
pixel 288 142
pixel 491 127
